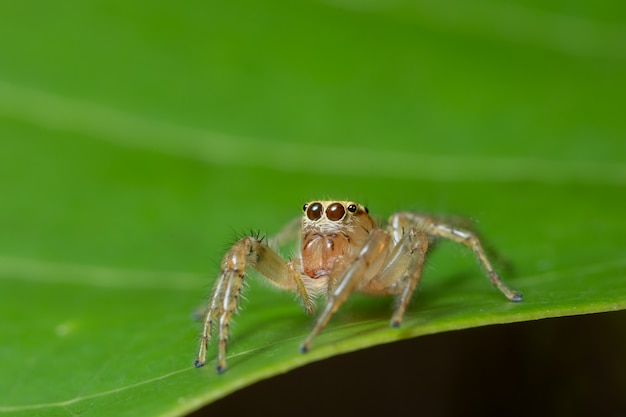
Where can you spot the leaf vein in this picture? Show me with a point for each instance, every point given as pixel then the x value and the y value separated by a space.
pixel 128 130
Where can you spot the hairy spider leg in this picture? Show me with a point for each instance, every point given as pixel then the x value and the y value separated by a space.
pixel 248 251
pixel 436 229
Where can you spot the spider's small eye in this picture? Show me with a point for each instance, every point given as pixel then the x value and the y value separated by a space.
pixel 367 211
pixel 335 212
pixel 314 211
pixel 305 206
pixel 352 208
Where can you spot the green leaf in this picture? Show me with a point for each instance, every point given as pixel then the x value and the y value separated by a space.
pixel 138 140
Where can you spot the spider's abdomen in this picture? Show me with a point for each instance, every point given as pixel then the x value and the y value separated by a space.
pixel 321 251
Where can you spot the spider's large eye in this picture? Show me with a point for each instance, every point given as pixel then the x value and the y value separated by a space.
pixel 335 212
pixel 314 211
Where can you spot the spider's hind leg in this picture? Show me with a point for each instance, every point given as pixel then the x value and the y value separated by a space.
pixel 470 240
pixel 438 229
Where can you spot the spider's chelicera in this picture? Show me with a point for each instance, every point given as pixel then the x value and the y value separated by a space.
pixel 342 250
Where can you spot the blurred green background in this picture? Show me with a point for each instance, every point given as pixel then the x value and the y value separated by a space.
pixel 138 139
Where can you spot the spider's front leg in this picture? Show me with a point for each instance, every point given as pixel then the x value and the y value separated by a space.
pixel 249 251
pixel 362 268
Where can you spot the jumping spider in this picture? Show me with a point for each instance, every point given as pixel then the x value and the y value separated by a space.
pixel 342 250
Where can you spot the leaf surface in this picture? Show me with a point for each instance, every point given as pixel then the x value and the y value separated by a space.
pixel 139 140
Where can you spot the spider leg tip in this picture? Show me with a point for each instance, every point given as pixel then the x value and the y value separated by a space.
pixel 395 323
pixel 304 348
pixel 220 369
pixel 198 363
pixel 516 297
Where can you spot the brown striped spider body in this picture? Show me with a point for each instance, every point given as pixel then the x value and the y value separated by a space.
pixel 342 250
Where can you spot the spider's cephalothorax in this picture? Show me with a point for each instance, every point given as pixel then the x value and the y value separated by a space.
pixel 342 250
pixel 330 230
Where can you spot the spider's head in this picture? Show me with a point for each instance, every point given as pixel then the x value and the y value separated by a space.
pixel 330 230
pixel 334 215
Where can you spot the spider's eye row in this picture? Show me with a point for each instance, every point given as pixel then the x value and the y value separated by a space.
pixel 314 211
pixel 335 212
